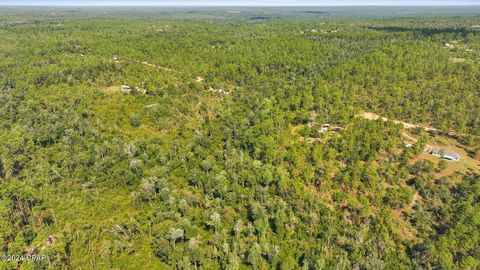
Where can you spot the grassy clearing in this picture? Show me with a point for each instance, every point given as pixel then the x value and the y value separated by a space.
pixel 464 166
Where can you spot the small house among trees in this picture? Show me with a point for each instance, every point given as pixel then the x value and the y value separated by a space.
pixel 448 155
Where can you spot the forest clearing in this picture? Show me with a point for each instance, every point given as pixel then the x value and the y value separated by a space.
pixel 436 140
pixel 372 116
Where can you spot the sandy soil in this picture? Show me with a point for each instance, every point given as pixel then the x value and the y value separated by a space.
pixel 159 67
pixel 372 116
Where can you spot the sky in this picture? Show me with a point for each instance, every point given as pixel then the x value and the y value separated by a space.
pixel 238 2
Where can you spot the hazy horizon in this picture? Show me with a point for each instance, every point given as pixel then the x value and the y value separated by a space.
pixel 238 3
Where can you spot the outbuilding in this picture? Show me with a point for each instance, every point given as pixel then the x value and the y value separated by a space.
pixel 126 89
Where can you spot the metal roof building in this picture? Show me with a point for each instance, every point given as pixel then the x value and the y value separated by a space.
pixel 448 155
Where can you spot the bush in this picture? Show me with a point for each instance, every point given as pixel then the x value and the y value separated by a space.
pixel 135 120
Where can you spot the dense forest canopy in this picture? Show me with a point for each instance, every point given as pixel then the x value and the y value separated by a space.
pixel 239 138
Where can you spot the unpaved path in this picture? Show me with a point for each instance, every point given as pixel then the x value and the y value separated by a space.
pixel 198 79
pixel 155 66
pixel 416 197
pixel 372 116
pixel 409 137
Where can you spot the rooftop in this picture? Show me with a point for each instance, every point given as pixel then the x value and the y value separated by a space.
pixel 445 154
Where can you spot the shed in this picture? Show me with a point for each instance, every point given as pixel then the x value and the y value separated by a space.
pixel 126 89
pixel 223 91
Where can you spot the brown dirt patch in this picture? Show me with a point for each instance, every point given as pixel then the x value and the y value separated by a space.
pixel 112 89
pixel 457 60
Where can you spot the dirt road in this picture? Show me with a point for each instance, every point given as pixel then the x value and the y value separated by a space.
pixel 372 116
